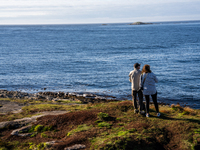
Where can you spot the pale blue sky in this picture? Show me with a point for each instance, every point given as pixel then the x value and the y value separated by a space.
pixel 96 11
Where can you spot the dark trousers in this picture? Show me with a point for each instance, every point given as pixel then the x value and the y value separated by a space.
pixel 134 99
pixel 154 98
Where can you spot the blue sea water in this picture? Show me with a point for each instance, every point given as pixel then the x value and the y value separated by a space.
pixel 98 58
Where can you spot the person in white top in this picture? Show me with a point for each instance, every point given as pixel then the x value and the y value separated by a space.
pixel 134 78
pixel 148 80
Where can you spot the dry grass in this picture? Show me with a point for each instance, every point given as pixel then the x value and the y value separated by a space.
pixel 190 111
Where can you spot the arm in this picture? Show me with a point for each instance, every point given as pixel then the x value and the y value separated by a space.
pixel 130 76
pixel 140 83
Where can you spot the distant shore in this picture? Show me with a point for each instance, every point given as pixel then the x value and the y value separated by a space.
pixel 140 23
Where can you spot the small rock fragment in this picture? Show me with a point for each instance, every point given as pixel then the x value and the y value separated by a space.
pixel 75 147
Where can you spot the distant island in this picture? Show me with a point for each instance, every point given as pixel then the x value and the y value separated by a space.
pixel 139 23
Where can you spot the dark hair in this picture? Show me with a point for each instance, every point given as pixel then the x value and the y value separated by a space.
pixel 136 65
pixel 146 69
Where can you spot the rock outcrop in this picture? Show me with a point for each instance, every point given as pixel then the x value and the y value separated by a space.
pixel 49 96
pixel 140 23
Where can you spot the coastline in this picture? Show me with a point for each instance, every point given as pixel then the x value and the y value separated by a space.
pixel 60 121
pixel 82 97
pixel 85 98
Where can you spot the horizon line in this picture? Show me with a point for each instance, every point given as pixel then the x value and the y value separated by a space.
pixel 184 21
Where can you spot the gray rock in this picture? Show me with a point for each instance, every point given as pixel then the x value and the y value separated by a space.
pixel 100 98
pixel 75 147
pixel 49 98
pixel 72 94
pixel 23 129
pixel 55 100
pixel 51 143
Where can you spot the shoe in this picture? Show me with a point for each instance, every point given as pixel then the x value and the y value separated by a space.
pixel 158 114
pixel 147 115
pixel 142 112
pixel 136 111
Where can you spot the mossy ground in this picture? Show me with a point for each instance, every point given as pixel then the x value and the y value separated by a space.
pixel 34 107
pixel 110 126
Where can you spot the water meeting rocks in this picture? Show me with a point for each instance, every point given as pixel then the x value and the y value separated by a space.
pixel 49 96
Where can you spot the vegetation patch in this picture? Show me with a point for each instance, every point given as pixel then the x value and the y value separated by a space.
pixel 80 128
pixel 50 107
pixel 69 101
pixel 111 126
pixel 105 117
pixel 104 124
pixel 41 146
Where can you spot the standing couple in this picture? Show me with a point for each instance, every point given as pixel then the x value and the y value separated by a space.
pixel 143 82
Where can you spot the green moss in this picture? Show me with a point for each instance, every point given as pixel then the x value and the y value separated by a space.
pixel 23 101
pixel 105 117
pixel 69 101
pixel 120 124
pixel 51 107
pixel 116 140
pixel 34 134
pixel 88 107
pixel 132 130
pixel 118 129
pixel 98 121
pixel 43 135
pixel 38 128
pixel 80 128
pixel 3 148
pixel 102 115
pixel 123 133
pixel 118 119
pixel 185 113
pixel 104 124
pixel 47 128
pixel 41 146
pixel 197 131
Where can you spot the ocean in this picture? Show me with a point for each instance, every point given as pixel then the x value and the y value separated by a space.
pixel 97 58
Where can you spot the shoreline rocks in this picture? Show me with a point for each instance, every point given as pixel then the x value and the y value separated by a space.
pixel 49 96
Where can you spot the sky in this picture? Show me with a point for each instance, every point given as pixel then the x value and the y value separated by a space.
pixel 96 11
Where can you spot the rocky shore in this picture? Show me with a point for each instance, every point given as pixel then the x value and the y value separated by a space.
pixel 85 98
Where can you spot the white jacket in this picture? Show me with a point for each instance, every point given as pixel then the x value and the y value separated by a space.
pixel 134 78
pixel 149 87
